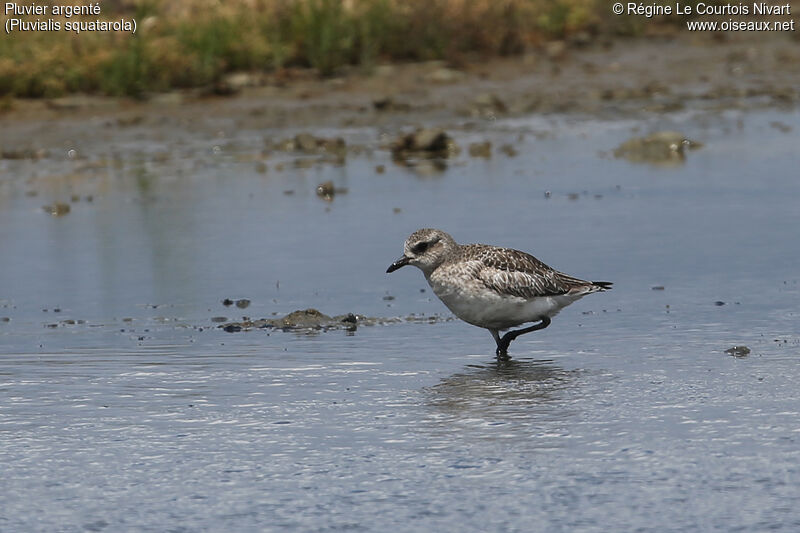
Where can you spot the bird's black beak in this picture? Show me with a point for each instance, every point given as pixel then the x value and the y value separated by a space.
pixel 403 261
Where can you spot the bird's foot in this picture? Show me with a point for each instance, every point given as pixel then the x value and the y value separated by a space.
pixel 502 352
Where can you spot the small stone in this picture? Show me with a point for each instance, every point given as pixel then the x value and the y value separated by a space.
pixel 57 209
pixel 326 191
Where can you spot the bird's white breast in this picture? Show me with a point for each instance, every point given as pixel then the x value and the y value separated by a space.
pixel 471 301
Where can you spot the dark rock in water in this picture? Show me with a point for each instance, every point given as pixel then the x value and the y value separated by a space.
pixel 350 322
pixel 719 303
pixel 22 153
pixel 658 288
pixel 227 302
pixel 424 142
pixel 661 148
pixel 307 143
pixel 232 328
pixel 326 191
pixel 243 303
pixel 738 351
pixel 304 319
pixel 58 209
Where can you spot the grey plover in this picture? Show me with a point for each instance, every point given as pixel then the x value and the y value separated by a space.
pixel 491 287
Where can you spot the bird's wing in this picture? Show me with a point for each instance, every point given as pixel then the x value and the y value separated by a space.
pixel 516 273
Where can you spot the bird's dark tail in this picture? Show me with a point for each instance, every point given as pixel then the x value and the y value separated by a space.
pixel 604 285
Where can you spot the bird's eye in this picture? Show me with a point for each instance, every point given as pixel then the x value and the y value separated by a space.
pixel 420 248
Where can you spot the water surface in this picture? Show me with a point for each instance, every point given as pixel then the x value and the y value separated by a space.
pixel 123 407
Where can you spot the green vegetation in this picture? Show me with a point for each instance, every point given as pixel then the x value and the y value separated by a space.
pixel 194 43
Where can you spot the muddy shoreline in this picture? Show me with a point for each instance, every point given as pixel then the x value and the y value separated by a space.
pixel 622 78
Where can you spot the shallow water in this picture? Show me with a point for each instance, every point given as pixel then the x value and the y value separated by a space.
pixel 625 414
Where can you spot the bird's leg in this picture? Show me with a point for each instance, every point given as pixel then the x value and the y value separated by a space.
pixel 502 350
pixel 505 340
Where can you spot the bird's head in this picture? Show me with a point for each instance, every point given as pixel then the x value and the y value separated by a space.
pixel 426 249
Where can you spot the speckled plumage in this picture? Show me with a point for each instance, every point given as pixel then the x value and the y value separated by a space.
pixel 492 287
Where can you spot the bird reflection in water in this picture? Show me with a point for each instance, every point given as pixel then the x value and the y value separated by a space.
pixel 517 395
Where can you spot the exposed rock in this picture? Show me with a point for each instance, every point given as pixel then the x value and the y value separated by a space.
pixel 305 319
pixel 326 191
pixel 23 153
pixel 309 144
pixel 424 142
pixel 57 209
pixel 311 321
pixel 661 148
pixel 738 351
